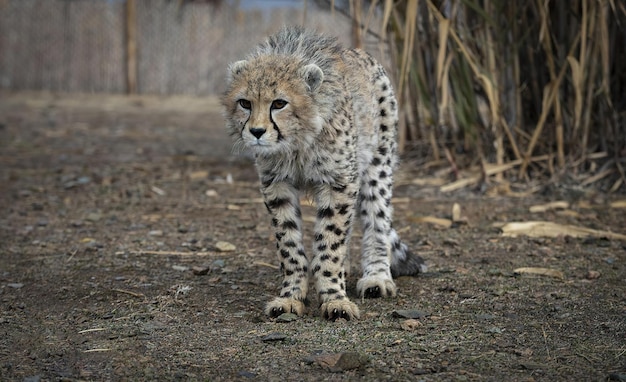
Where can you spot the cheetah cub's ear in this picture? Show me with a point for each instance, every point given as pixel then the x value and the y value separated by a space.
pixel 235 68
pixel 313 76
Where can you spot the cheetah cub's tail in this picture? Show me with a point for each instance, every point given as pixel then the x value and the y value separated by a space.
pixel 403 261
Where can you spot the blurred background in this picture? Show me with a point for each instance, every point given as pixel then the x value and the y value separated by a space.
pixel 514 89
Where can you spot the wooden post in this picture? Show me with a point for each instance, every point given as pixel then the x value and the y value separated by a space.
pixel 131 47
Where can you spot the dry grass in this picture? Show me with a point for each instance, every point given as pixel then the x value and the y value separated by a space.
pixel 506 81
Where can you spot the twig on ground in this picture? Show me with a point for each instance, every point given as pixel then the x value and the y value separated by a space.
pixel 264 264
pixel 97 350
pixel 176 253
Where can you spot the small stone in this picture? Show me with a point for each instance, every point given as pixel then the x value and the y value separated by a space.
pixel 421 371
pixel 617 377
pixel 592 275
pixel 246 374
pixel 224 246
pixel 451 242
pixel 409 313
pixel 339 362
pixel 92 244
pixel 273 337
pixel 240 314
pixel 219 263
pixel 93 217
pixel 287 317
pixel 201 270
pixel 83 180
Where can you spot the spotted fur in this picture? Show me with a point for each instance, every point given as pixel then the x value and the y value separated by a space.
pixel 323 119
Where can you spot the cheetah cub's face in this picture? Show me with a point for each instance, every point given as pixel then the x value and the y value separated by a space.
pixel 270 105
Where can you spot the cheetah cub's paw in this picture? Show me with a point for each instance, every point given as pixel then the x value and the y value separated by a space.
pixel 343 308
pixel 282 305
pixel 376 286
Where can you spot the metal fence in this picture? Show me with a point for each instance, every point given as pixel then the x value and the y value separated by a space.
pixel 182 48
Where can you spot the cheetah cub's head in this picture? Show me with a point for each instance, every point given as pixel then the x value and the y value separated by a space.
pixel 270 103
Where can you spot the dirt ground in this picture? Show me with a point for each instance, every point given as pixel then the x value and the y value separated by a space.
pixel 113 210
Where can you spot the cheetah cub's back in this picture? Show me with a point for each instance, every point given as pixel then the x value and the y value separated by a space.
pixel 321 119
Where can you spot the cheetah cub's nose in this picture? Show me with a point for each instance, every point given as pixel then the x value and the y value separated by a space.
pixel 257 132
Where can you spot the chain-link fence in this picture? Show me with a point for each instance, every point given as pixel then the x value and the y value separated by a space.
pixel 182 47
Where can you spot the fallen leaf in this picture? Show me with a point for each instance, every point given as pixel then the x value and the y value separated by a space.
pixel 539 271
pixel 527 352
pixel 549 229
pixel 592 275
pixel 410 324
pixel 500 189
pixel 224 246
pixel 195 175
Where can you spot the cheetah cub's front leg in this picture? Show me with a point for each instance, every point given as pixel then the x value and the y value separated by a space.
pixel 335 209
pixel 282 201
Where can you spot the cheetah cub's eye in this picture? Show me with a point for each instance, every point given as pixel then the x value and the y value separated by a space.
pixel 278 104
pixel 245 104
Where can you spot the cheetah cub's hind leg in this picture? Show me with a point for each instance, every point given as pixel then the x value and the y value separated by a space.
pixel 384 255
pixel 375 211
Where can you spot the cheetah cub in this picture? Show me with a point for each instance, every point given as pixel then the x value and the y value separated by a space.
pixel 322 119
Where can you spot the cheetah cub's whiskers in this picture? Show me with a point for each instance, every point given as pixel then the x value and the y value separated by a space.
pixel 323 119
